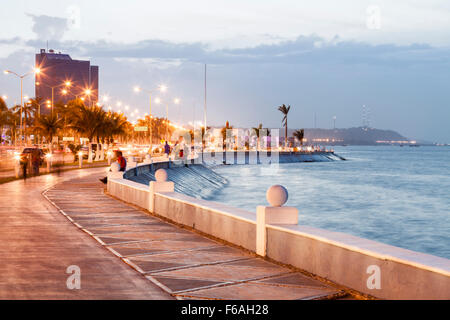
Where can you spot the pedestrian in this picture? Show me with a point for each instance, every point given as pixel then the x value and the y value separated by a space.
pixel 35 161
pixel 121 160
pixel 24 164
pixel 167 149
pixel 122 163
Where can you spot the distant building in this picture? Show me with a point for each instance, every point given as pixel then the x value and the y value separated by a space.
pixel 56 70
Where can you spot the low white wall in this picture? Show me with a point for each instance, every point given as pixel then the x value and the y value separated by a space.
pixel 353 262
pixel 341 258
pixel 230 224
pixel 129 191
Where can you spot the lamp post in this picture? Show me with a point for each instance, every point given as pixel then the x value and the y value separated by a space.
pixel 161 88
pixel 35 71
pixel 85 91
pixel 176 101
pixel 65 91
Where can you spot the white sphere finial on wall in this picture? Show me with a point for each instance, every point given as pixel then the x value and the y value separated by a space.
pixel 161 175
pixel 277 195
pixel 115 167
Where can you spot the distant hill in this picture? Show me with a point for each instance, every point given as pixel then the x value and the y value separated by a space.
pixel 350 136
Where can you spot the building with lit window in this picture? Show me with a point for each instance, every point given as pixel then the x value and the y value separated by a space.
pixel 62 79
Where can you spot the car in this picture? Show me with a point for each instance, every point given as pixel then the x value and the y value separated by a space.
pixel 85 150
pixel 28 151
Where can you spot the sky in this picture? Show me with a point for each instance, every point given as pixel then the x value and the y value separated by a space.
pixel 324 58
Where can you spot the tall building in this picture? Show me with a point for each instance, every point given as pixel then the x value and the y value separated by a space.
pixel 57 69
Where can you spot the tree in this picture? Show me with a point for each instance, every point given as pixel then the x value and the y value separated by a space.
pixel 35 106
pixel 3 116
pixel 86 120
pixel 299 134
pixel 259 130
pixel 115 125
pixel 224 133
pixel 285 110
pixel 12 120
pixel 48 126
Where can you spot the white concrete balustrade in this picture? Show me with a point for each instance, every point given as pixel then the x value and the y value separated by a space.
pixel 367 266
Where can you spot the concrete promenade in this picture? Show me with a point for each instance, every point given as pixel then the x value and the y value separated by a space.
pixel 37 244
pixel 123 252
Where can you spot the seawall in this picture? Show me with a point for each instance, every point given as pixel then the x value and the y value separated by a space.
pixel 266 157
pixel 198 180
pixel 364 265
pixel 195 180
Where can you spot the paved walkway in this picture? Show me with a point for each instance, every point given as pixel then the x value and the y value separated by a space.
pixel 37 244
pixel 184 264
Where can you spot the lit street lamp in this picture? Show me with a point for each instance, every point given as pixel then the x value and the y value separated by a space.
pixel 35 71
pixel 161 88
pixel 176 101
pixel 66 84
pixel 85 92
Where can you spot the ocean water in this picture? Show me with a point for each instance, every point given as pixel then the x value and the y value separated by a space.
pixel 395 195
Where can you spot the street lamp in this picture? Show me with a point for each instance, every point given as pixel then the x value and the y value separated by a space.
pixel 161 88
pixel 64 91
pixel 34 71
pixel 176 101
pixel 85 91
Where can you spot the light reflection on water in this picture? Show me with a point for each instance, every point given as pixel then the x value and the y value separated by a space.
pixel 395 195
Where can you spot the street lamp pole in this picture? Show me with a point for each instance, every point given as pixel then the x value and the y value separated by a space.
pixel 167 121
pixel 176 101
pixel 37 70
pixel 21 106
pixel 150 123
pixel 161 88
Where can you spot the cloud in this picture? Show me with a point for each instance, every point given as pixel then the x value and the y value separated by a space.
pixel 303 50
pixel 49 28
pixel 247 82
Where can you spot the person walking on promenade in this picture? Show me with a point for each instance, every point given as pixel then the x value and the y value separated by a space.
pixel 24 164
pixel 122 163
pixel 167 149
pixel 35 161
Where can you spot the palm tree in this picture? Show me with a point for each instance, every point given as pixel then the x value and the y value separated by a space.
pixel 12 121
pixel 259 130
pixel 48 126
pixel 285 110
pixel 115 125
pixel 299 134
pixel 3 116
pixel 35 106
pixel 84 120
pixel 29 111
pixel 224 134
